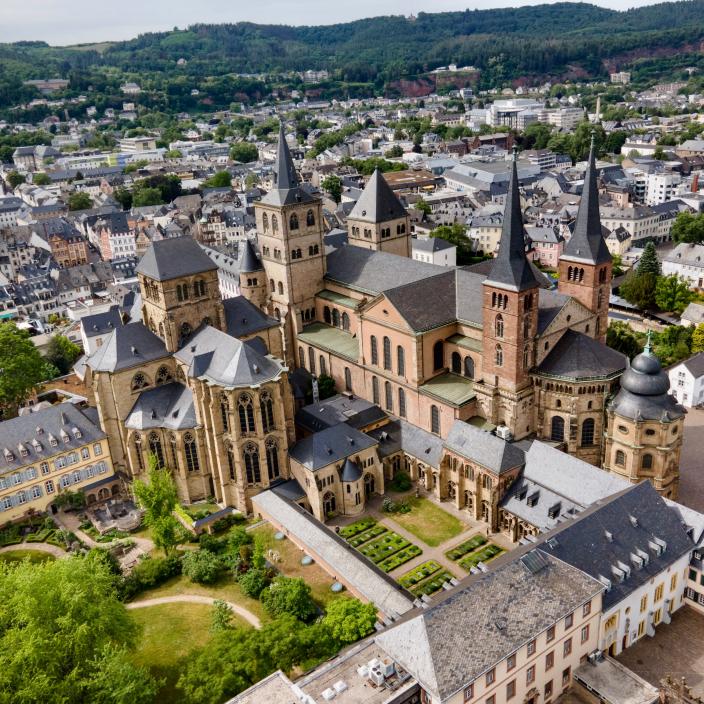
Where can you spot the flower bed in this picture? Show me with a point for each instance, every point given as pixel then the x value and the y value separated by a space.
pixel 432 585
pixel 357 527
pixel 468 546
pixel 384 546
pixel 367 535
pixel 418 574
pixel 400 558
pixel 483 555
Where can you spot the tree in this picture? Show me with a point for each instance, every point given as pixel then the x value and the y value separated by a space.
pixel 41 179
pixel 244 152
pixel 146 196
pixel 395 152
pixel 289 595
pixel 423 207
pixel 79 201
pixel 123 197
pixel 457 235
pixel 536 135
pixel 221 179
pixel 649 262
pixel 620 337
pixel 326 386
pixel 349 619
pixel 617 264
pixel 332 184
pixel 201 566
pixel 15 179
pixel 253 581
pixel 698 339
pixel 158 497
pixel 672 293
pixel 688 228
pixel 639 289
pixel 62 353
pixel 22 368
pixel 64 636
pixel 221 616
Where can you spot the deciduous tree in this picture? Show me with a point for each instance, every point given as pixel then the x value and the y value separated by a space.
pixel 349 619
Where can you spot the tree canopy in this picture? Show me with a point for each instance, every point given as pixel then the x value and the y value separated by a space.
pixel 288 595
pixel 688 228
pixel 244 152
pixel 348 620
pixel 79 201
pixel 62 353
pixel 333 186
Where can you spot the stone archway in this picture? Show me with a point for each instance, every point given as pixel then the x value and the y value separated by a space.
pixel 369 483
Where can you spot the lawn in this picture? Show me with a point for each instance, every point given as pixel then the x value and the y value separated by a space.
pixel 487 553
pixel 428 522
pixel 170 632
pixel 21 555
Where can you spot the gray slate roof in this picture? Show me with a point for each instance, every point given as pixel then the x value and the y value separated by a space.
pixel 400 435
pixel 378 203
pixel 578 356
pixel 483 447
pixel 243 318
pixel 355 412
pixel 350 471
pixel 101 323
pixel 287 189
pixel 168 406
pixel 249 260
pixel 130 345
pixel 431 244
pixel 550 303
pixel 695 364
pixel 174 257
pixel 330 445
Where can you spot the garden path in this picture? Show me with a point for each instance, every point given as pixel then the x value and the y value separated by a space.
pixel 71 522
pixel 39 547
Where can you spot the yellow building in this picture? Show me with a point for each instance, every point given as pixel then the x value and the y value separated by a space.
pixel 50 451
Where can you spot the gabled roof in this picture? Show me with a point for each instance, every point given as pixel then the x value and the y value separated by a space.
pixel 330 445
pixel 578 356
pixel 484 448
pixel 243 318
pixel 412 301
pixel 173 258
pixel 130 345
pixel 101 323
pixel 378 203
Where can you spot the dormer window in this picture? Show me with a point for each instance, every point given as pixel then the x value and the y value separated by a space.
pixel 77 433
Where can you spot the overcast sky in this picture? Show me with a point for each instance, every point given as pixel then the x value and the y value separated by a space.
pixel 82 21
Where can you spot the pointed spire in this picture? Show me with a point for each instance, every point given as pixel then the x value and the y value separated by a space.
pixel 511 268
pixel 587 243
pixel 250 262
pixel 285 176
pixel 378 203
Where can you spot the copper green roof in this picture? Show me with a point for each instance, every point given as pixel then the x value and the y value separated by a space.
pixel 338 298
pixel 469 343
pixel 449 388
pixel 326 337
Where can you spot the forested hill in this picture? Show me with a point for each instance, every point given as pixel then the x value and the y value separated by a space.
pixel 505 44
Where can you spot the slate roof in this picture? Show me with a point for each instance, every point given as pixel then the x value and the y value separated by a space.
pixel 168 406
pixel 33 432
pixel 431 244
pixel 378 203
pixel 243 318
pixel 350 471
pixel 330 445
pixel 226 361
pixel 287 189
pixel 101 323
pixel 355 412
pixel 130 345
pixel 174 257
pixel 400 435
pixel 426 304
pixel 497 610
pixel 617 531
pixel 695 364
pixel 694 312
pixel 550 303
pixel 484 448
pixel 249 260
pixel 578 356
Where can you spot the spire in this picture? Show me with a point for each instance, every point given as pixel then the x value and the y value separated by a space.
pixel 587 243
pixel 378 203
pixel 250 262
pixel 511 268
pixel 285 176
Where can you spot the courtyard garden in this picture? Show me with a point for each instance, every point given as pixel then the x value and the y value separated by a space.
pixel 385 548
pixel 14 556
pixel 426 520
pixel 426 578
pixel 473 551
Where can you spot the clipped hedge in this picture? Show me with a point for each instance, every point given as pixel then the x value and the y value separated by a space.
pixel 400 558
pixel 384 546
pixel 367 535
pixel 483 555
pixel 357 527
pixel 463 548
pixel 420 573
pixel 432 585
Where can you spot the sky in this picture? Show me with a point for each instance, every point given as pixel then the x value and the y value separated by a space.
pixel 62 22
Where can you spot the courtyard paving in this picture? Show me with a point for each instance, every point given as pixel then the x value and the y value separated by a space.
pixel 691 465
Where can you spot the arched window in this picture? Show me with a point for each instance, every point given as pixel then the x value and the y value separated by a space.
pixel 156 449
pixel 302 357
pixel 401 361
pixel 225 412
pixel 231 462
pixel 375 390
pixel 185 331
pixel 327 315
pixel 163 375
pixel 646 461
pixel 557 429
pixel 348 379
pixel 251 463
pixel 374 351
pixel 189 445
pixel 293 222
pixel 310 218
pixel 389 394
pixel 438 355
pixel 277 313
pixel 272 459
pixel 599 298
pixel 323 366
pixel 329 503
pixel 469 367
pixel 137 442
pixel 402 403
pixel 336 317
pixel 588 432
pixel 499 356
pixel 184 291
pixel 345 322
pixel 526 356
pixel 311 360
pixel 281 289
pixel 266 406
pixel 435 420
pixel 265 222
pixel 620 458
pixel 246 413
pixel 274 223
pixel 456 363
pixel 387 353
pixel 139 381
pixel 499 326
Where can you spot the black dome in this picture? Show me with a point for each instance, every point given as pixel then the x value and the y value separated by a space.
pixel 645 376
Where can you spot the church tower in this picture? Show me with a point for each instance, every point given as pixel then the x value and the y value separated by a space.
pixel 252 276
pixel 510 314
pixel 585 265
pixel 378 220
pixel 290 234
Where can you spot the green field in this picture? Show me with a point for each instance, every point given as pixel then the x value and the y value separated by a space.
pixel 428 522
pixel 20 555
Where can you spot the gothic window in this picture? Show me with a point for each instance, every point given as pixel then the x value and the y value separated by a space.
pixel 323 366
pixel 336 317
pixel 274 223
pixel 163 375
pixel 139 381
pixel 402 403
pixel 646 461
pixel 185 332
pixel 293 222
pixel 156 449
pixel 499 326
pixel 272 459
pixel 374 351
pixel 388 393
pixel 602 275
pixel 438 355
pixel 599 298
pixel 311 360
pixel 231 462
pixel 620 458
pixel 225 412
pixel 526 356
pixel 251 463
pixel 199 288
pixel 569 273
pixel 310 251
pixel 329 503
pixel 246 413
pixel 345 322
pixel 348 379
pixel 281 289
pixel 272 285
pixel 493 299
pixel 499 356
pixel 310 218
pixel 375 390
pixel 327 315
pixel 316 249
pixel 277 313
pixel 588 432
pixel 266 405
pixel 557 429
pixel 456 363
pixel 137 441
pixel 265 222
pixel 469 367
pixel 387 353
pixel 184 291
pixel 401 361
pixel 435 420
pixel 189 444
pixel 302 357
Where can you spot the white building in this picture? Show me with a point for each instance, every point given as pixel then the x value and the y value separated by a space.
pixel 687 262
pixel 661 187
pixel 687 381
pixel 434 250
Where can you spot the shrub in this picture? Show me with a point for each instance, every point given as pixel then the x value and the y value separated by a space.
pixel 148 574
pixel 237 537
pixel 348 620
pixel 288 595
pixel 357 527
pixel 254 581
pixel 463 548
pixel 211 544
pixel 201 566
pixel 401 482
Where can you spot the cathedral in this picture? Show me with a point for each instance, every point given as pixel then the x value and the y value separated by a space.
pixel 202 383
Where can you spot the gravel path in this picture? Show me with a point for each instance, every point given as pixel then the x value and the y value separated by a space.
pixel 196 599
pixel 39 547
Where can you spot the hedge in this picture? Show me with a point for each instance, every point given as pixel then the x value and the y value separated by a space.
pixel 357 527
pixel 461 550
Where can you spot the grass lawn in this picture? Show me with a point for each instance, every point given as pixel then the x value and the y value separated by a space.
pixel 290 565
pixel 21 555
pixel 428 522
pixel 169 633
